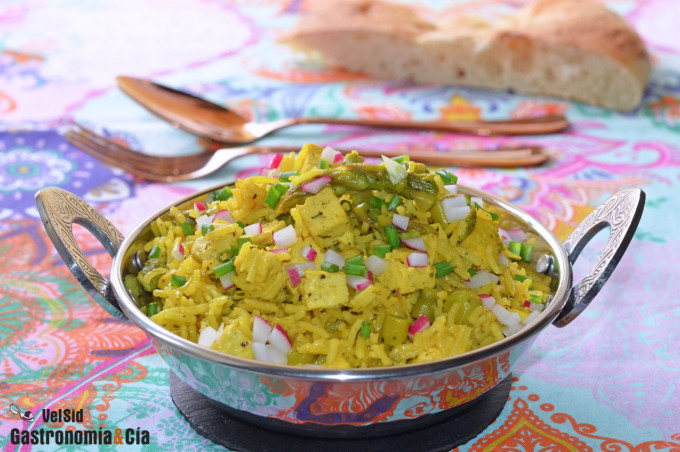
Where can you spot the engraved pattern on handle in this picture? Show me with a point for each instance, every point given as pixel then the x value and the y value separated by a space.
pixel 621 212
pixel 59 210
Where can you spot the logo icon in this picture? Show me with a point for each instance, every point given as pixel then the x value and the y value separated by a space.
pixel 25 415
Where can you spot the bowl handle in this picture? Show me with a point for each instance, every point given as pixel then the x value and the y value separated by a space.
pixel 622 213
pixel 58 210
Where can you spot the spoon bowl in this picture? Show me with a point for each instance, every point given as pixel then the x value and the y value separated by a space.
pixel 209 120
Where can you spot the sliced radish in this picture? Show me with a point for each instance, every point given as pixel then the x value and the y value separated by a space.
pixel 279 250
pixel 253 229
pixel 482 278
pixel 314 186
pixel 261 329
pixel 531 317
pixel 358 282
pixel 294 276
pixel 269 172
pixel 416 243
pixel 420 324
pixel 275 355
pixel 266 353
pixel 328 154
pixel 308 253
pixel 400 221
pixel 338 157
pixel 417 260
pixel 199 207
pixel 208 336
pixel 204 219
pixel 376 265
pixel 505 236
pixel 276 161
pixel 453 211
pixel 223 215
pixel 536 307
pixel 504 316
pixel 517 235
pixel 280 340
pixel 226 281
pixel 487 301
pixel 178 252
pixel 503 259
pixel 285 237
pixel 510 330
pixel 334 258
pixel 452 189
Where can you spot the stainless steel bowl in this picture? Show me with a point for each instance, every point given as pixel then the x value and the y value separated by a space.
pixel 337 403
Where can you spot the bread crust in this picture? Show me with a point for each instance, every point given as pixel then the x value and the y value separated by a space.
pixel 575 49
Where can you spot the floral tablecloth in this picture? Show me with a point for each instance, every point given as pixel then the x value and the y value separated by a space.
pixel 608 381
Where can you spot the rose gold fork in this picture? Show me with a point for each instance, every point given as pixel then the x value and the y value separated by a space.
pixel 178 168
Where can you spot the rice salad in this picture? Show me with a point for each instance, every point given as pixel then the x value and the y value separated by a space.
pixel 323 259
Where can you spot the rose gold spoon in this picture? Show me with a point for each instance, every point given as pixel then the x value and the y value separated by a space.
pixel 208 120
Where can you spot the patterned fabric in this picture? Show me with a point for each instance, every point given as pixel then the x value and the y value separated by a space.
pixel 608 381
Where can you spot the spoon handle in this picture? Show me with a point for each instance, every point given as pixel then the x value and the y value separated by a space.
pixel 524 126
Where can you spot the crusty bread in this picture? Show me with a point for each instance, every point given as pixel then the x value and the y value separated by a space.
pixel 575 49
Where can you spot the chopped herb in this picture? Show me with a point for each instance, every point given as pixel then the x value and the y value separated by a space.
pixel 177 280
pixel 187 228
pixel 241 224
pixel 365 330
pixel 330 268
pixel 382 250
pixel 472 271
pixel 155 252
pixel 442 269
pixel 207 228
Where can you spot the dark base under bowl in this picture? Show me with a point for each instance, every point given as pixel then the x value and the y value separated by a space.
pixel 242 431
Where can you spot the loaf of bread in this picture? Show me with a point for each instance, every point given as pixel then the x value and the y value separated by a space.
pixel 576 49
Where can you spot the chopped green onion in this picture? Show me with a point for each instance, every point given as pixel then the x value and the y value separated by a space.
pixel 187 228
pixel 447 177
pixel 376 202
pixel 241 224
pixel 515 248
pixel 355 269
pixel 272 198
pixel 527 250
pixel 442 269
pixel 522 278
pixel 240 241
pixel 394 202
pixel 392 236
pixel 535 297
pixel 382 250
pixel 205 228
pixel 152 309
pixel 155 252
pixel 225 268
pixel 330 268
pixel 365 330
pixel 177 280
pixel 223 194
pixel 282 188
pixel 220 253
pixel 356 260
pixel 323 164
pixel 285 176
pixel 401 158
pixel 472 271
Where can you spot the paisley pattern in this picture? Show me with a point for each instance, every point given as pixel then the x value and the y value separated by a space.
pixel 607 381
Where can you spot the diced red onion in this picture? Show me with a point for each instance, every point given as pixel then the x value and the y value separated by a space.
pixel 420 324
pixel 178 252
pixel 526 304
pixel 294 276
pixel 308 253
pixel 487 301
pixel 505 236
pixel 226 281
pixel 517 235
pixel 416 243
pixel 531 317
pixel 285 237
pixel 204 219
pixel 253 229
pixel 261 329
pixel 400 221
pixel 208 336
pixel 510 330
pixel 376 265
pixel 276 161
pixel 417 260
pixel 334 258
pixel 223 215
pixel 314 186
pixel 199 207
pixel 328 154
pixel 358 282
pixel 279 339
pixel 480 279
pixel 452 189
pixel 504 316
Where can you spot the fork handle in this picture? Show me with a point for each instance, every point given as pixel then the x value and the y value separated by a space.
pixel 523 126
